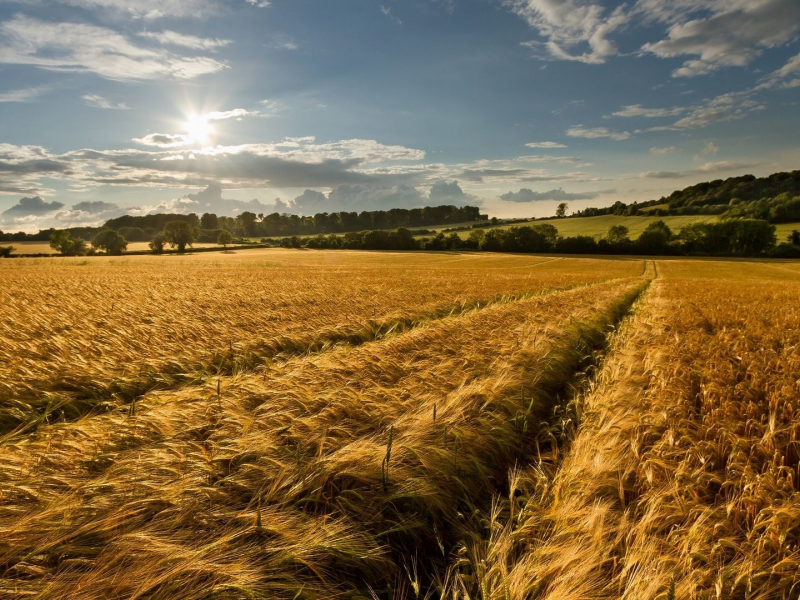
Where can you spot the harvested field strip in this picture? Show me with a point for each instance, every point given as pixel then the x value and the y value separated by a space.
pixel 314 477
pixel 104 336
pixel 681 482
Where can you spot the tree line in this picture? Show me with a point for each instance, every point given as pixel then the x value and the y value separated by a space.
pixel 775 198
pixel 729 237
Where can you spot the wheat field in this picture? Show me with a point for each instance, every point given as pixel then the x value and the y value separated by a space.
pixel 292 424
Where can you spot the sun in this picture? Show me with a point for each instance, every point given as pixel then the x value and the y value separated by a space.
pixel 199 130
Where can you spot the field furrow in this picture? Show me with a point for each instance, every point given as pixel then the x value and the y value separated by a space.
pixel 681 480
pixel 306 478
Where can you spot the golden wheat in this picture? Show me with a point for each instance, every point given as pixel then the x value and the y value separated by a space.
pixel 272 483
pixel 680 482
pixel 81 335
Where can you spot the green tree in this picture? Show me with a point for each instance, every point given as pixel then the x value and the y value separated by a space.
pixel 655 238
pixel 561 210
pixel 110 241
pixel 157 243
pixel 794 238
pixel 61 241
pixel 617 234
pixel 209 221
pixel 224 238
pixel 6 251
pixel 180 234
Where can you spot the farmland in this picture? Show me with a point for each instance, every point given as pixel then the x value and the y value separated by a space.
pixel 597 227
pixel 294 424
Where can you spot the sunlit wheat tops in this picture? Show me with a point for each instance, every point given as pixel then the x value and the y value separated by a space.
pixel 345 425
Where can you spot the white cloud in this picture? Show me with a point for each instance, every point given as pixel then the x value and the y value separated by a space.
pixel 164 140
pixel 173 38
pixel 667 150
pixel 710 148
pixel 24 95
pixel 713 167
pixel 528 195
pixel 732 36
pixel 570 24
pixel 388 12
pixel 32 206
pixel 100 102
pixel 236 113
pixel 727 107
pixel 637 110
pixel 141 9
pixel 545 145
pixel 76 47
pixel 597 133
pixel 259 3
pixel 298 162
pixel 788 76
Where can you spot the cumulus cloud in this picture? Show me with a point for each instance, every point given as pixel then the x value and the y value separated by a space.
pixel 528 195
pixel 597 133
pixel 358 197
pixel 211 200
pixel 451 193
pixel 569 25
pixel 732 36
pixel 291 163
pixel 22 166
pixel 100 102
pixel 95 207
pixel 34 205
pixel 82 48
pixel 545 145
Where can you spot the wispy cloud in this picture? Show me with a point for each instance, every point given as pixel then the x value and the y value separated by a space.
pixel 598 133
pixel 388 12
pixel 569 25
pixel 788 76
pixel 661 151
pixel 727 107
pixel 545 145
pixel 637 110
pixel 712 167
pixel 141 9
pixel 24 95
pixel 173 38
pixel 82 48
pixel 100 102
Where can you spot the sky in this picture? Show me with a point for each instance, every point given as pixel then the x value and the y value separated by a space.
pixel 111 107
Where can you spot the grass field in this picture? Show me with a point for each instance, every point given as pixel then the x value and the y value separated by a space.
pixel 597 227
pixel 290 424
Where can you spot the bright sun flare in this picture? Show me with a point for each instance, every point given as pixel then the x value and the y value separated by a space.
pixel 199 129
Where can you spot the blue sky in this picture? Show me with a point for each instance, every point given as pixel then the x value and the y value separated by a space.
pixel 111 106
